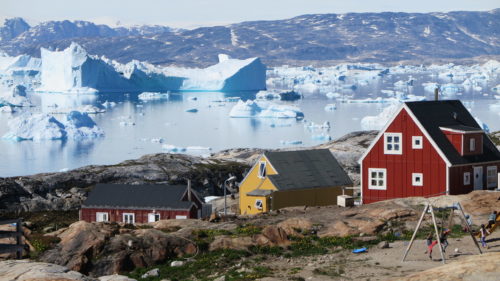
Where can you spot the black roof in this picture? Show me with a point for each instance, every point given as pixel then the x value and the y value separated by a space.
pixel 125 196
pixel 451 113
pixel 306 169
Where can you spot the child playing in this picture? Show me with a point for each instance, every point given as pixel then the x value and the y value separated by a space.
pixel 484 232
pixel 430 244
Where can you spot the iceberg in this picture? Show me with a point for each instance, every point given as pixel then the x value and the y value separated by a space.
pixel 321 137
pixel 330 107
pixel 173 148
pixel 290 142
pixel 73 70
pixel 150 96
pixel 37 127
pixel 254 109
pixel 16 97
pixel 192 110
pixel 378 122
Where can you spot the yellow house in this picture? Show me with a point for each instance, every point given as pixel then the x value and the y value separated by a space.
pixel 293 178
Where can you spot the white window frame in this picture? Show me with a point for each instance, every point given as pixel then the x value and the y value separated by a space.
pixel 491 179
pixel 414 139
pixel 472 144
pixel 415 176
pixel 153 215
pixel 377 179
pixel 467 178
pixel 261 204
pixel 393 143
pixel 262 172
pixel 98 214
pixel 128 214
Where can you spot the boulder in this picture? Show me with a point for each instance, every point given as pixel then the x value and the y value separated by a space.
pixel 338 229
pixel 177 263
pixel 234 243
pixel 383 245
pixel 276 236
pixel 152 273
pixel 291 225
pixel 115 277
pixel 25 270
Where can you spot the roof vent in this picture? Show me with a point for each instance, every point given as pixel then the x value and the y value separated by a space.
pixel 455 115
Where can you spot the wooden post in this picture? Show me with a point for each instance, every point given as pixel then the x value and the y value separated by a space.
pixel 469 227
pixel 437 234
pixel 19 242
pixel 415 232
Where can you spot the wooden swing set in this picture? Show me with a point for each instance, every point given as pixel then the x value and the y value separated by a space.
pixel 429 208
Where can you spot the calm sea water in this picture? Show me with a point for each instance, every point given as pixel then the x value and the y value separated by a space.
pixel 168 119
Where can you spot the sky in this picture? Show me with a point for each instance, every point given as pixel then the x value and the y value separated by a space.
pixel 195 13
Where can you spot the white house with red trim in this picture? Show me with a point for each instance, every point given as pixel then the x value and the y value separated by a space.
pixel 429 148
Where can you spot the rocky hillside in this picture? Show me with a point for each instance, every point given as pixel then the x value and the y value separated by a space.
pixel 67 190
pixel 316 38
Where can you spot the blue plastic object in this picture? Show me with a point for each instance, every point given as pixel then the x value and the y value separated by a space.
pixel 357 251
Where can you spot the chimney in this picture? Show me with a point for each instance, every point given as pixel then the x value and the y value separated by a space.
pixel 189 191
pixel 436 94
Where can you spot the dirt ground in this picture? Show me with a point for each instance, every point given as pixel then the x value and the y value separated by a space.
pixel 376 264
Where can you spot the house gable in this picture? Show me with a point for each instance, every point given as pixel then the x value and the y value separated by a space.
pixel 399 170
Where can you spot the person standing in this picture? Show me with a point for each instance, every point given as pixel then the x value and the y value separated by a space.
pixel 484 232
pixel 492 219
pixel 444 239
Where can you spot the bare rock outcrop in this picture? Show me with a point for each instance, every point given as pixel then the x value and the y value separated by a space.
pixel 107 248
pixel 25 270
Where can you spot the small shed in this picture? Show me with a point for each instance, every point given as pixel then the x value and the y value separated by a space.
pixel 142 203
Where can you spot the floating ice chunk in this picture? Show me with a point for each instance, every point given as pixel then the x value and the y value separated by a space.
pixel 496 89
pixel 192 110
pixel 127 123
pixel 173 148
pixel 291 142
pixel 430 86
pixel 307 89
pixel 266 95
pixel 192 98
pixel 109 104
pixel 331 95
pixel 16 97
pixel 231 99
pixel 290 96
pixel 89 109
pixel 29 126
pixel 450 89
pixel 368 100
pixel 198 148
pixel 157 140
pixel 253 109
pixel 80 126
pixel 312 125
pixel 330 107
pixel 378 122
pixel 321 137
pixel 150 96
pixel 7 109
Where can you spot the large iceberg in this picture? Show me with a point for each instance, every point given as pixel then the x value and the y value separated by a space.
pixel 258 109
pixel 15 97
pixel 73 70
pixel 36 127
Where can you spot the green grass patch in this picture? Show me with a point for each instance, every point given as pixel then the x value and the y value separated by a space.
pixel 41 243
pixel 248 230
pixel 267 250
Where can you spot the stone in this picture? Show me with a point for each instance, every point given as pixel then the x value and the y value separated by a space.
pixel 291 225
pixel 48 229
pixel 276 235
pixel 115 277
pixel 23 270
pixel 177 263
pixel 234 243
pixel 383 245
pixel 152 273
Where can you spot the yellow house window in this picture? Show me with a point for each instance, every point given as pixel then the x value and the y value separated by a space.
pixel 258 204
pixel 262 169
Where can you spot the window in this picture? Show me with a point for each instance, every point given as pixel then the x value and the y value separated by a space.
pixel 178 217
pixel 258 204
pixel 466 178
pixel 417 179
pixel 472 144
pixel 417 142
pixel 152 217
pixel 393 143
pixel 262 169
pixel 129 218
pixel 491 179
pixel 377 179
pixel 101 216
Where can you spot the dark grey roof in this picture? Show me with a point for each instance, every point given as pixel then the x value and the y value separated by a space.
pixel 463 128
pixel 435 114
pixel 306 169
pixel 137 196
pixel 259 192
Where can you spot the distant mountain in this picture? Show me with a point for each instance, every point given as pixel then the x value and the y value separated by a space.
pixel 354 37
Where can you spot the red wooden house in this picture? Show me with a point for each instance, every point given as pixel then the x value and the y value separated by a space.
pixel 429 148
pixel 142 203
